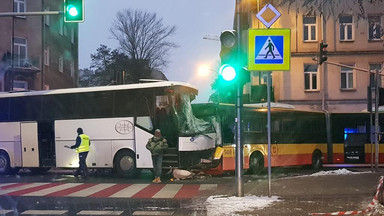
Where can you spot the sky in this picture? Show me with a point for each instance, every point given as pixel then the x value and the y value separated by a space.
pixel 193 19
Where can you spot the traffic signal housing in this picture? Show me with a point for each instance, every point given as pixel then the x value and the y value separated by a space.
pixel 229 63
pixel 73 10
pixel 323 53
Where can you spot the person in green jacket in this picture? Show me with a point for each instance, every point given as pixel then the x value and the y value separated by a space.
pixel 157 145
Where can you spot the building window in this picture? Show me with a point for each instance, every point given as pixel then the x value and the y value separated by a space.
pixel 310 28
pixel 375 30
pixel 72 35
pixel 46 56
pixel 46 17
pixel 61 63
pixel 72 68
pixel 65 30
pixel 373 68
pixel 310 77
pixel 19 85
pixel 61 26
pixel 346 28
pixel 347 77
pixel 19 6
pixel 19 51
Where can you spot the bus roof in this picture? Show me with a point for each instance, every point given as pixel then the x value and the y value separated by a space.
pixel 100 88
pixel 262 107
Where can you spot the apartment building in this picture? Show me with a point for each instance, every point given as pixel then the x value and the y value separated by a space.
pixel 352 39
pixel 37 52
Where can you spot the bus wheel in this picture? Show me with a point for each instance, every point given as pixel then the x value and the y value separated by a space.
pixel 256 163
pixel 4 163
pixel 124 164
pixel 317 162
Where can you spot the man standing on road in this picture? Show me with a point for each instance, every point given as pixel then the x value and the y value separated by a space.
pixel 157 145
pixel 82 147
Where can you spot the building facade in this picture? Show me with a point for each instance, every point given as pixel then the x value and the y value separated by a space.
pixel 354 39
pixel 37 52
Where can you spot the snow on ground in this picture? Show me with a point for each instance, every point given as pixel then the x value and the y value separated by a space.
pixel 222 205
pixel 335 172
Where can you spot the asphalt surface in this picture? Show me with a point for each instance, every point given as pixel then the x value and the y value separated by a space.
pixel 298 192
pixel 306 194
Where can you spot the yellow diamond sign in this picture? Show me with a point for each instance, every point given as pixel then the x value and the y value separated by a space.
pixel 268 15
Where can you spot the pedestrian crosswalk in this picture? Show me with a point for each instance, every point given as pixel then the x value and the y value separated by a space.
pixel 105 190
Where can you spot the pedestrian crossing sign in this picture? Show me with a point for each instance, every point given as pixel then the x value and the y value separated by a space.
pixel 269 49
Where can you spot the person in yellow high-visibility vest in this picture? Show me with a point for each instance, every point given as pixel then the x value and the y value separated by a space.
pixel 82 147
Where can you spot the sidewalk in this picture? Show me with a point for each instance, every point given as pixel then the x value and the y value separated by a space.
pixel 300 195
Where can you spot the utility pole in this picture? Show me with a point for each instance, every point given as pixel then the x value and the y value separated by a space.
pixel 377 120
pixel 239 104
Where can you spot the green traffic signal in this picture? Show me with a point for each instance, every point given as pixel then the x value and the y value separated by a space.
pixel 227 72
pixel 73 10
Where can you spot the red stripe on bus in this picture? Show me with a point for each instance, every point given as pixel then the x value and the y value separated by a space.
pixel 187 191
pixel 70 190
pixel 110 190
pixel 149 191
pixel 33 189
pixel 13 185
pixel 277 160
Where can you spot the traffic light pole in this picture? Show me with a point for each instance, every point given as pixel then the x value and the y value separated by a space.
pixel 377 120
pixel 239 103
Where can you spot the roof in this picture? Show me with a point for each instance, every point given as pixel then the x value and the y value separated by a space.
pixel 99 88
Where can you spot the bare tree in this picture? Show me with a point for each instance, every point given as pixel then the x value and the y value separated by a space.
pixel 142 36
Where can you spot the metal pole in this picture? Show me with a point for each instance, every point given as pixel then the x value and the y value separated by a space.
pixel 239 94
pixel 377 120
pixel 269 130
pixel 36 13
pixel 369 90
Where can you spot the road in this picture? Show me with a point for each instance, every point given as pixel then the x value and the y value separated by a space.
pixel 59 193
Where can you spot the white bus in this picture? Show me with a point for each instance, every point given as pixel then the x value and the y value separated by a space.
pixel 35 127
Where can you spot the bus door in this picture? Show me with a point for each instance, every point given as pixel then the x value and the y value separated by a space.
pixel 354 143
pixel 29 144
pixel 142 135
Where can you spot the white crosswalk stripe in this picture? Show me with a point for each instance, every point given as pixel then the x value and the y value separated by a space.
pixel 104 213
pixel 44 212
pixel 168 191
pixel 207 187
pixel 51 189
pixel 129 191
pixel 22 187
pixel 91 190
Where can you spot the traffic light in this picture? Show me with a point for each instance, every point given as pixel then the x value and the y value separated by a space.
pixel 323 53
pixel 229 63
pixel 73 10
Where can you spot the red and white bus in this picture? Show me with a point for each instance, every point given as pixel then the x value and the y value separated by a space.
pixel 35 127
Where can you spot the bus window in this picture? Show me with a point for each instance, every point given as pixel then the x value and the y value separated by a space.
pixel 162 102
pixel 25 108
pixel 145 122
pixel 124 103
pixel 58 106
pixel 4 109
pixel 94 104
